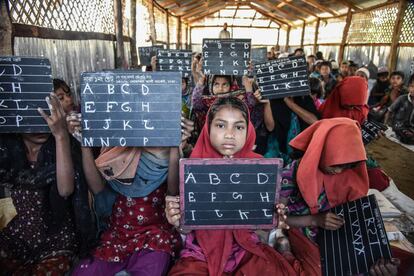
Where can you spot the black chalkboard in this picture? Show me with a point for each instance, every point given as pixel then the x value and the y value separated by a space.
pixel 356 246
pixel 229 193
pixel 259 55
pixel 25 82
pixel 131 108
pixel 283 77
pixel 226 56
pixel 371 129
pixel 146 53
pixel 175 61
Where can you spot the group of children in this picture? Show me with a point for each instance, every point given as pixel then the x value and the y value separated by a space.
pixel 113 210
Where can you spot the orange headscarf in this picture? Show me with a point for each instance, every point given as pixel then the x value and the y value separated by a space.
pixel 348 99
pixel 326 143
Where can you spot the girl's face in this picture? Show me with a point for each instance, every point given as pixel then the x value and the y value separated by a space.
pixel 228 131
pixel 65 99
pixel 396 81
pixel 221 85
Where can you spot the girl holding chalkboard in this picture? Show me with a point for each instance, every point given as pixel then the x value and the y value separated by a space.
pixel 331 171
pixel 50 197
pixel 129 186
pixel 228 133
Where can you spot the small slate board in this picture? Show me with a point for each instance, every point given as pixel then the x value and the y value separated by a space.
pixel 226 56
pixel 146 53
pixel 370 130
pixel 131 108
pixel 229 193
pixel 259 55
pixel 356 246
pixel 285 77
pixel 25 82
pixel 175 61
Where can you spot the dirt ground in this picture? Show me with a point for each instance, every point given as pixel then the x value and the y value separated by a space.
pixel 396 161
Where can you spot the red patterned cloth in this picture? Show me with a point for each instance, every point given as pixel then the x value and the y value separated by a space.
pixel 135 224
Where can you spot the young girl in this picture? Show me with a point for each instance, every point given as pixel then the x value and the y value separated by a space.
pixel 47 190
pixel 129 185
pixel 228 133
pixel 331 171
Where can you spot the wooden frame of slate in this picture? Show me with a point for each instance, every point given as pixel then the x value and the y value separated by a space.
pixel 146 53
pixel 356 246
pixel 25 82
pixel 175 61
pixel 131 108
pixel 226 56
pixel 229 193
pixel 285 77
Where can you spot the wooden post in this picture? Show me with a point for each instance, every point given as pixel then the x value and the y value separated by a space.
pixel 6 30
pixel 168 29
pixel 186 37
pixel 302 38
pixel 402 6
pixel 120 61
pixel 287 39
pixel 315 45
pixel 190 40
pixel 345 36
pixel 179 32
pixel 278 37
pixel 133 27
pixel 152 22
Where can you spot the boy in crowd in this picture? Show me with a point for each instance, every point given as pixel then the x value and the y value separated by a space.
pixel 381 85
pixel 327 78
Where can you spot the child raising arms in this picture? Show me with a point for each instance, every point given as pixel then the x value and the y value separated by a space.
pixel 228 133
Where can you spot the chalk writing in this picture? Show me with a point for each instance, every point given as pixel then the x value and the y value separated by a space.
pixel 175 61
pixel 237 193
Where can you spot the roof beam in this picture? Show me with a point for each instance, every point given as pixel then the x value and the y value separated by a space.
pixel 179 11
pixel 349 4
pixel 269 15
pixel 272 7
pixel 321 7
pixel 302 9
pixel 203 7
pixel 207 13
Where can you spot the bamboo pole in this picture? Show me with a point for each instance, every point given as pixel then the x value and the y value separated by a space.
pixel 6 30
pixel 120 61
pixel 302 38
pixel 133 27
pixel 168 28
pixel 179 34
pixel 345 35
pixel 315 42
pixel 402 6
pixel 287 39
pixel 152 22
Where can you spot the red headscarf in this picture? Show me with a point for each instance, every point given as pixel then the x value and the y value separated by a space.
pixel 326 143
pixel 217 244
pixel 348 99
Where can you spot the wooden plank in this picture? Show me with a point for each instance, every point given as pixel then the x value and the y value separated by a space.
pixel 345 35
pixel 402 6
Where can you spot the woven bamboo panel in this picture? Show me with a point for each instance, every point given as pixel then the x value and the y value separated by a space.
pixel 69 15
pixel 160 24
pixel 375 26
pixel 407 31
